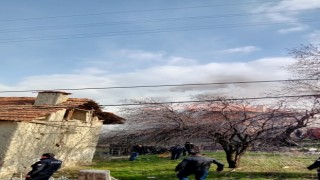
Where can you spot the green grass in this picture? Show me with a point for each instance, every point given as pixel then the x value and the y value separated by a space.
pixel 254 165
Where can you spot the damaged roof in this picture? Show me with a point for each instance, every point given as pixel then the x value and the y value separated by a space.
pixel 23 109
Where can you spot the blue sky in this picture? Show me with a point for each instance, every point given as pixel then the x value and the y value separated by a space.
pixel 76 43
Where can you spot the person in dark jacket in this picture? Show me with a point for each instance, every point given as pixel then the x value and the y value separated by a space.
pixel 315 165
pixel 189 147
pixel 176 151
pixel 197 165
pixel 44 169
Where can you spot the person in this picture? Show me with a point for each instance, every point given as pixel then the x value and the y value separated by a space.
pixel 315 165
pixel 188 146
pixel 176 151
pixel 44 169
pixel 197 165
pixel 133 156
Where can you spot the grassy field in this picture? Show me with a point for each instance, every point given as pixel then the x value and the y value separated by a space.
pixel 254 165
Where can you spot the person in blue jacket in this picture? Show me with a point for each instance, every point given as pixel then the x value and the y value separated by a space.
pixel 133 156
pixel 44 169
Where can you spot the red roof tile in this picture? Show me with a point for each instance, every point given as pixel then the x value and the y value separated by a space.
pixel 22 108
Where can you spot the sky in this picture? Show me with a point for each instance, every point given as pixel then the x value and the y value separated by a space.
pixel 60 44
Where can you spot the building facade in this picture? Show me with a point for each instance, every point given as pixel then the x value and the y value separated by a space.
pixel 51 122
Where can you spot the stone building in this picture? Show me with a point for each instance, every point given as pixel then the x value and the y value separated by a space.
pixel 51 122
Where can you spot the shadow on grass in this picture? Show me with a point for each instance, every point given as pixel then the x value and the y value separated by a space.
pixel 263 175
pixel 144 175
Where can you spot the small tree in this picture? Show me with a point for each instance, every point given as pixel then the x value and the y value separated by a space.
pixel 238 125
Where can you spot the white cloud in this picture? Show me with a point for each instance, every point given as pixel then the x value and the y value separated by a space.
pixel 91 70
pixel 261 69
pixel 141 55
pixel 98 62
pixel 289 6
pixel 297 28
pixel 287 10
pixel 296 5
pixel 245 49
pixel 181 61
pixel 314 37
pixel 271 62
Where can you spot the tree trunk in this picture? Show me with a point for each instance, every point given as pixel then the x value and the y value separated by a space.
pixel 234 153
pixel 233 158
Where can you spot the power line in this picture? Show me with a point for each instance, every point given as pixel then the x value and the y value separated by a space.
pixel 231 99
pixel 137 11
pixel 161 85
pixel 138 21
pixel 15 107
pixel 109 34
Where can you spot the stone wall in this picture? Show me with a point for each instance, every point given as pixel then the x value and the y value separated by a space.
pixel 7 130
